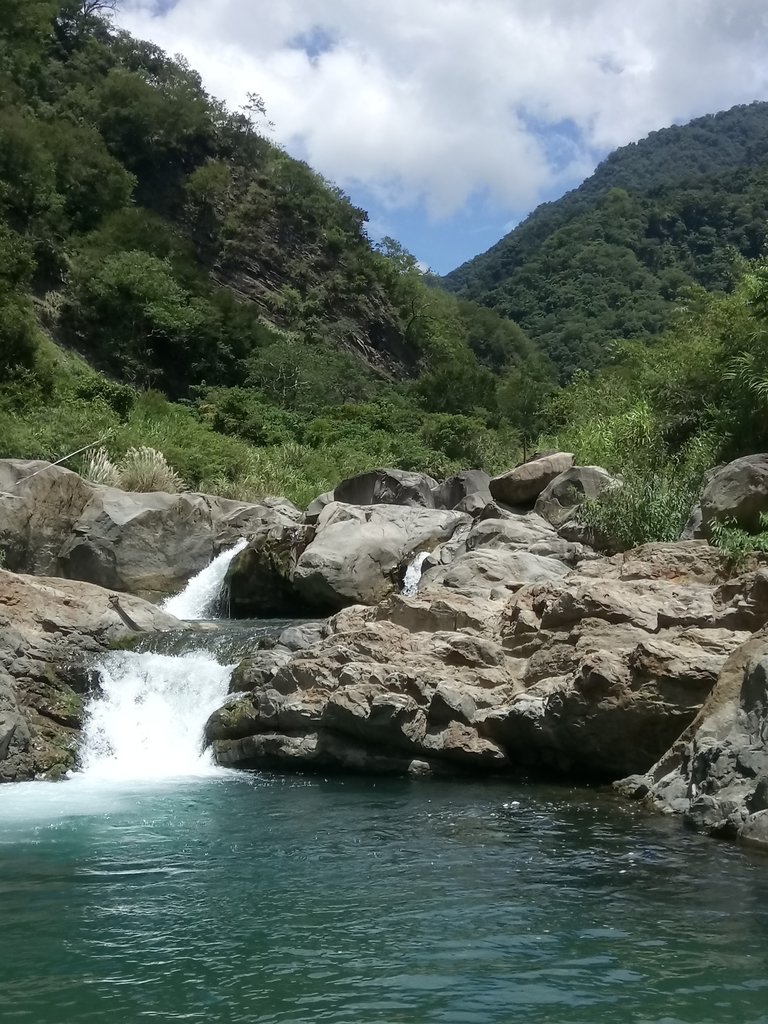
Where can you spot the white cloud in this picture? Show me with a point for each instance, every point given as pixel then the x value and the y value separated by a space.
pixel 437 100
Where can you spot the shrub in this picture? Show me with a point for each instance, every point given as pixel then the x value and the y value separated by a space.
pixel 145 469
pixel 736 542
pixel 100 469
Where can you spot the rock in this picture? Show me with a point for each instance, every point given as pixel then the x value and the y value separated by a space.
pixel 457 489
pixel 39 505
pixel 299 638
pixel 562 496
pixel 512 532
pixel 736 491
pixel 259 580
pixel 316 507
pixel 476 504
pixel 356 554
pixel 387 487
pixel 54 522
pixel 716 774
pixel 521 486
pixel 47 627
pixel 594 672
pixel 153 543
pixel 486 570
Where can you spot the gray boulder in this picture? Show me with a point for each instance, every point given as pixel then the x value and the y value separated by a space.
pixel 562 496
pixel 521 486
pixel 717 772
pixel 492 571
pixel 39 505
pixel 736 491
pixel 457 489
pixel 387 487
pixel 357 553
pixel 52 521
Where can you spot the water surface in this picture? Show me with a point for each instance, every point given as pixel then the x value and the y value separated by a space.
pixel 246 898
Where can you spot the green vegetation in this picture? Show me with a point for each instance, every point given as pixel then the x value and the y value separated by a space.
pixel 172 280
pixel 610 260
pixel 737 543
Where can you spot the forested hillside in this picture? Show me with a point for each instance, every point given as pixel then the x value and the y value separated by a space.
pixel 169 276
pixel 609 260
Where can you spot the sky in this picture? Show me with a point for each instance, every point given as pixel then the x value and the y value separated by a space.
pixel 450 120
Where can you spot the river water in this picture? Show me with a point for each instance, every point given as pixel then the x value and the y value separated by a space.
pixel 153 886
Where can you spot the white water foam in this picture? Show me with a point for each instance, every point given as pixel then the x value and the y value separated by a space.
pixel 413 574
pixel 147 720
pixel 198 599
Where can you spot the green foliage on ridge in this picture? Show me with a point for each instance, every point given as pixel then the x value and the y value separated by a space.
pixel 609 260
pixel 169 277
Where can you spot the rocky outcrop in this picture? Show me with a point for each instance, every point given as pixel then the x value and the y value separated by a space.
pixel 562 496
pixel 716 774
pixel 388 487
pixel 738 491
pixel 56 523
pixel 594 672
pixel 522 486
pixel 471 483
pixel 49 629
pixel 354 555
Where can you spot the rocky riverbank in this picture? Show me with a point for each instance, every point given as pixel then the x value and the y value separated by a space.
pixel 518 648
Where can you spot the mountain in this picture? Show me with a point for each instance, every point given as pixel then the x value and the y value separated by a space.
pixel 609 260
pixel 171 277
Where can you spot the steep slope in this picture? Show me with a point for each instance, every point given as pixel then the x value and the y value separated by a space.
pixel 608 260
pixel 170 277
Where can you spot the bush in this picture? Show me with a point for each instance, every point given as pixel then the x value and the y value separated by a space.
pixel 146 469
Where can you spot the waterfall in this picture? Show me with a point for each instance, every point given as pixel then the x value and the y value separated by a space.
pixel 198 599
pixel 147 719
pixel 413 574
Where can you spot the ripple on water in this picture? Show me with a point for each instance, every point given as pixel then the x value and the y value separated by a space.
pixel 240 898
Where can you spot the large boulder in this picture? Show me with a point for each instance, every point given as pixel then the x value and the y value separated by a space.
pixel 457 489
pixel 716 774
pixel 353 555
pixel 737 491
pixel 562 496
pixel 357 554
pixel 53 521
pixel 39 505
pixel 493 571
pixel 521 486
pixel 259 580
pixel 48 628
pixel 387 487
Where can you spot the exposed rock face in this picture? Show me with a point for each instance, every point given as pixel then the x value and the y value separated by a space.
pixel 388 487
pixel 259 580
pixel 353 555
pixel 737 491
pixel 562 496
pixel 55 522
pixel 455 490
pixel 716 774
pixel 357 553
pixel 47 627
pixel 521 486
pixel 595 672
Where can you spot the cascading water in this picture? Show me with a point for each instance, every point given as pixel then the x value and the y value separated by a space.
pixel 413 574
pixel 147 720
pixel 198 599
